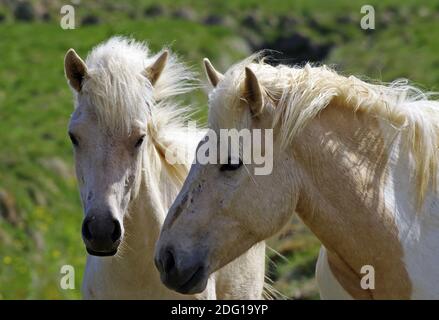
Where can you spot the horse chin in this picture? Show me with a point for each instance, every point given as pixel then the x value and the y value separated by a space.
pixel 196 284
pixel 101 253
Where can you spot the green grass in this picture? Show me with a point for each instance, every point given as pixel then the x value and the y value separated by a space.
pixel 35 104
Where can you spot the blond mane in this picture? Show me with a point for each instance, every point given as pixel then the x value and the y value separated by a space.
pixel 295 95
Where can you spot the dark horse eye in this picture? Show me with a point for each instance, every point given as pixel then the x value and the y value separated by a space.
pixel 140 141
pixel 231 166
pixel 73 139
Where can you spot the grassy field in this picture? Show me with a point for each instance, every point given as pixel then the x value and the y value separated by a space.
pixel 40 212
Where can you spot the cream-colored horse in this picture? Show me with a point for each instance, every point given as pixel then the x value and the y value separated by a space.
pixel 124 121
pixel 357 161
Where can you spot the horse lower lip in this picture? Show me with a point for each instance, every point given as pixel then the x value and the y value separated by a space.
pixel 192 283
pixel 101 253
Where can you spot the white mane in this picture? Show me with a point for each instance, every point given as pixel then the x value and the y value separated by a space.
pixel 296 95
pixel 121 94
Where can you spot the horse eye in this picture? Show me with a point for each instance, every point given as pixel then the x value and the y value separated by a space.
pixel 140 141
pixel 73 139
pixel 231 166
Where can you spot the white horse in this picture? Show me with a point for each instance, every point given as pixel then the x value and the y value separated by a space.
pixel 356 161
pixel 125 120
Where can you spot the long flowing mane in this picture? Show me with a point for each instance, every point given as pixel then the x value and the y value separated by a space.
pixel 296 95
pixel 121 95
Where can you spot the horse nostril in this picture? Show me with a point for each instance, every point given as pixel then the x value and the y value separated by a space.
pixel 115 235
pixel 168 261
pixel 86 229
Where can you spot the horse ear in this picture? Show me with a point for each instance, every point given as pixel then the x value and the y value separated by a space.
pixel 213 75
pixel 154 71
pixel 75 69
pixel 253 92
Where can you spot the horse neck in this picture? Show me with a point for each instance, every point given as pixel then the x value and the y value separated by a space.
pixel 149 208
pixel 343 157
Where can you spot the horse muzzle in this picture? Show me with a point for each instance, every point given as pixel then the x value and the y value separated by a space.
pixel 101 234
pixel 186 274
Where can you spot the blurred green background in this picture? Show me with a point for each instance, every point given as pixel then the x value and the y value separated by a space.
pixel 40 212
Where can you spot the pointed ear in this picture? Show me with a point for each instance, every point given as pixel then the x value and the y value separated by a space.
pixel 213 75
pixel 253 92
pixel 75 69
pixel 154 71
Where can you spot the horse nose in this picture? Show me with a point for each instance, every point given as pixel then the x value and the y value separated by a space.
pixel 184 274
pixel 101 233
pixel 166 262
